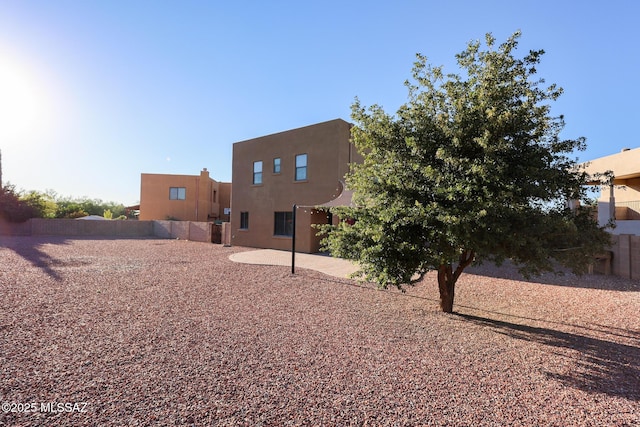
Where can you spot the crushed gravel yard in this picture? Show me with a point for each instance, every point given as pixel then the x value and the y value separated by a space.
pixel 98 332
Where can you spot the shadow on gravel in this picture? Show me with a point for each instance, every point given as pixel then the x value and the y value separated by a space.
pixel 606 367
pixel 588 281
pixel 29 248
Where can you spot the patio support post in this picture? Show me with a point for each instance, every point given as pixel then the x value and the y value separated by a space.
pixel 612 204
pixel 293 239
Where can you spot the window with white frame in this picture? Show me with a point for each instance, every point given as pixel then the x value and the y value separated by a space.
pixel 177 193
pixel 276 165
pixel 257 172
pixel 301 167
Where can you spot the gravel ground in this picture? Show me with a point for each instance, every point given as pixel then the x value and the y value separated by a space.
pixel 166 332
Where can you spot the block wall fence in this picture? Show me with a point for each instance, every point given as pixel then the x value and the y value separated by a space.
pixel 185 230
pixel 625 260
pixel 625 248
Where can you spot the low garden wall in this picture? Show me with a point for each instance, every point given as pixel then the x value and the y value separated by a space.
pixel 186 230
pixel 625 260
pixel 76 227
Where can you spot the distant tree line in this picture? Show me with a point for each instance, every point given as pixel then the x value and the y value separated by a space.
pixel 19 206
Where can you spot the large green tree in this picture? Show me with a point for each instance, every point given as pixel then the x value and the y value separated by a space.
pixel 471 168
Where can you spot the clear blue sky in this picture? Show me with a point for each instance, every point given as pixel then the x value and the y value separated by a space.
pixel 93 93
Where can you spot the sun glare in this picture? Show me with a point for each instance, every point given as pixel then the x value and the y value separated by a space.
pixel 24 104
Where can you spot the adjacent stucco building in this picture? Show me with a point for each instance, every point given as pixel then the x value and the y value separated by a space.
pixel 304 166
pixel 620 201
pixel 184 197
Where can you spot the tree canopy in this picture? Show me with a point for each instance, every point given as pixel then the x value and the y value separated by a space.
pixel 12 208
pixel 18 206
pixel 471 168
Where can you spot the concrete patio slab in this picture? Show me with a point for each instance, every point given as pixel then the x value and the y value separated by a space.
pixel 336 267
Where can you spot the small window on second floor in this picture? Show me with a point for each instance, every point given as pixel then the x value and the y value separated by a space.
pixel 177 193
pixel 276 165
pixel 257 172
pixel 301 167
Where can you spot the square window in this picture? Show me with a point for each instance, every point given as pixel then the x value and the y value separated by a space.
pixel 276 165
pixel 301 167
pixel 177 193
pixel 283 224
pixel 257 172
pixel 244 220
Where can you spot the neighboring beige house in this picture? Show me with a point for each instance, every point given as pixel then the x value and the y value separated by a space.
pixel 184 197
pixel 620 201
pixel 304 166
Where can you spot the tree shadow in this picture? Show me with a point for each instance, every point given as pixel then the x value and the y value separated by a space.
pixel 30 248
pixel 606 367
pixel 589 281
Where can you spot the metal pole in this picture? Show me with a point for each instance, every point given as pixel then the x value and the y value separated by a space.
pixel 293 239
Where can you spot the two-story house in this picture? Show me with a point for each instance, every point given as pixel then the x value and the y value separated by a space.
pixel 305 167
pixel 619 201
pixel 184 197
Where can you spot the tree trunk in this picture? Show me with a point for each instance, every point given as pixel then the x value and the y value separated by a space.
pixel 447 279
pixel 447 287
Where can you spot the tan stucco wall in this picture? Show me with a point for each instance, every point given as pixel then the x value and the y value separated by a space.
pixel 625 165
pixel 626 190
pixel 626 169
pixel 329 152
pixel 224 200
pixel 204 197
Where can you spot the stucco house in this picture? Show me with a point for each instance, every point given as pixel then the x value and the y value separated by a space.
pixel 184 197
pixel 304 166
pixel 621 200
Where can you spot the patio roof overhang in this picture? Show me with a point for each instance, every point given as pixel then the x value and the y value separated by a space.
pixel 344 199
pixel 624 166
